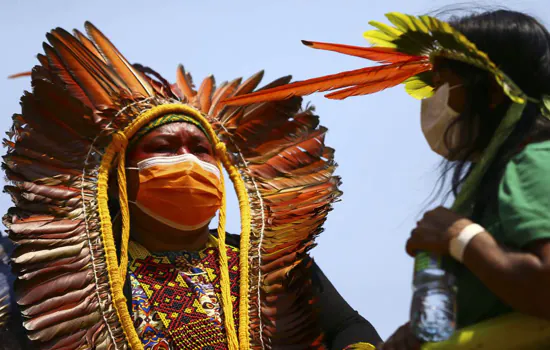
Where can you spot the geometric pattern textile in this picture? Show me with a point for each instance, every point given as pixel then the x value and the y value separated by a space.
pixel 175 297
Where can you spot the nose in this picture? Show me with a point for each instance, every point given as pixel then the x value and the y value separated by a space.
pixel 183 150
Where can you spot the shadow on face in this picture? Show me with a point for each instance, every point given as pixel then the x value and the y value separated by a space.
pixel 442 74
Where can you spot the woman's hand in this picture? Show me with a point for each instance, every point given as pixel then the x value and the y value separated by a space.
pixel 435 231
pixel 402 339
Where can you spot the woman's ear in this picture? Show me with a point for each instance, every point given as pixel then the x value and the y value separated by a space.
pixel 496 93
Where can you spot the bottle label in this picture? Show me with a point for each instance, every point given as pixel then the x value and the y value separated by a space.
pixel 424 260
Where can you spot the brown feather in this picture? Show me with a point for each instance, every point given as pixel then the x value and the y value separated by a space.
pixel 94 89
pixel 89 44
pixel 28 293
pixel 204 94
pixel 250 84
pixel 136 82
pixel 91 61
pixel 56 302
pixel 184 84
pixel 58 68
pixel 221 94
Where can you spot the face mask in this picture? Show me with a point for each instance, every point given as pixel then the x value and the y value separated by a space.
pixel 182 192
pixel 435 118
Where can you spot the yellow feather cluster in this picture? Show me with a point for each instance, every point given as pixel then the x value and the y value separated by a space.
pixel 428 36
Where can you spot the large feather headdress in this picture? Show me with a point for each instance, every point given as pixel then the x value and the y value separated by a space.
pixel 87 101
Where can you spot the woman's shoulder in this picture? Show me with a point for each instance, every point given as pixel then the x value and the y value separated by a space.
pixel 531 163
pixel 534 151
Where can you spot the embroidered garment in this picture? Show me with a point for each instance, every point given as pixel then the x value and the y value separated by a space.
pixel 175 297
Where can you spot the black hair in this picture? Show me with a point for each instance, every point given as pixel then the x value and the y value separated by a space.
pixel 520 46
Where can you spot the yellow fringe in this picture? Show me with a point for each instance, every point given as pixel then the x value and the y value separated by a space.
pixel 121 142
pixel 244 205
pixel 361 346
pixel 115 281
pixel 117 272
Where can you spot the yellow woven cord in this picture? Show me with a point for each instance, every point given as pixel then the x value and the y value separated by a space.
pixel 361 346
pixel 509 332
pixel 115 281
pixel 227 304
pixel 113 268
pixel 244 206
pixel 122 142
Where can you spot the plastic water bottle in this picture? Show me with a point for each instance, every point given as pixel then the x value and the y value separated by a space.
pixel 433 308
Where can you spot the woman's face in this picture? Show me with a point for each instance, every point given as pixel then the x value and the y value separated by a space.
pixel 172 139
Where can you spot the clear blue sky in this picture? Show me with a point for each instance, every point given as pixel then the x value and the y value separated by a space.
pixel 387 169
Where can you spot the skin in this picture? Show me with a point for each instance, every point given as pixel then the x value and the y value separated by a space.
pixel 520 278
pixel 168 140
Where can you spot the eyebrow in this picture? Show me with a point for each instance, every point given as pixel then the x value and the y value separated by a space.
pixel 193 138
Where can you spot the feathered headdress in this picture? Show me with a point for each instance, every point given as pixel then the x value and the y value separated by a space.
pixel 87 101
pixel 406 51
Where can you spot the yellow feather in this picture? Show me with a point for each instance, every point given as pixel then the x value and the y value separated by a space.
pixel 418 89
pixel 379 39
pixel 401 21
pixel 419 24
pixel 386 29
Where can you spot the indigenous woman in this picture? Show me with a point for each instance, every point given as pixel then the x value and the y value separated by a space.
pixel 485 80
pixel 116 175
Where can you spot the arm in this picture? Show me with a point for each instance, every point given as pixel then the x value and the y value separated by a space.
pixel 520 278
pixel 342 325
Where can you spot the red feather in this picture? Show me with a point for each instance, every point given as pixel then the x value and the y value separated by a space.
pixel 375 86
pixel 20 75
pixel 359 77
pixel 379 54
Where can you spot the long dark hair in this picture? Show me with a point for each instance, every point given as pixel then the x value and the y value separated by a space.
pixel 520 46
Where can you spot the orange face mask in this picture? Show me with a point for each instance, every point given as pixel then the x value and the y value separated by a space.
pixel 182 192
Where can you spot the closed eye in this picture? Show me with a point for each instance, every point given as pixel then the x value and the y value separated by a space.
pixel 202 149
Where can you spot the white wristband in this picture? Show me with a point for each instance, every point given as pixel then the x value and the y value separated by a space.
pixel 458 244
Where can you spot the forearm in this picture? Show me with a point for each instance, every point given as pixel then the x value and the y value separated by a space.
pixel 520 279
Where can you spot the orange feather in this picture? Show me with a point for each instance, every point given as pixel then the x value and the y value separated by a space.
pixel 379 54
pixel 205 93
pixel 361 76
pixel 375 86
pixel 184 84
pixel 94 64
pixel 19 75
pixel 58 68
pixel 94 89
pixel 88 44
pixel 136 81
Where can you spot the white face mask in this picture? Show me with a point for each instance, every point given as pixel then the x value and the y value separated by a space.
pixel 435 118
